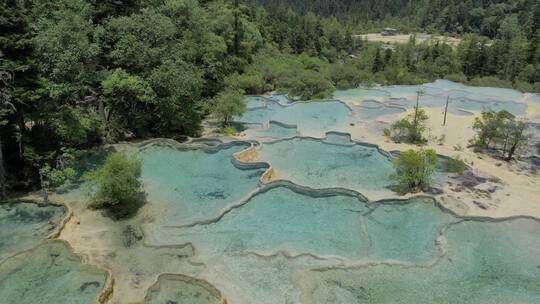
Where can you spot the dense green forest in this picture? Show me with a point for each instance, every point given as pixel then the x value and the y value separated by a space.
pixel 483 17
pixel 79 73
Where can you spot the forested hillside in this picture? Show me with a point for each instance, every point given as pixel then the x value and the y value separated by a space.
pixel 79 73
pixel 451 16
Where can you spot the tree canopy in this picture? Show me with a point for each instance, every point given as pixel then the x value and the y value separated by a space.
pixel 414 170
pixel 501 132
pixel 79 73
pixel 117 183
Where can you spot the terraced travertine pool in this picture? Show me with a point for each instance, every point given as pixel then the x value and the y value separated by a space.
pixel 312 235
pixel 329 163
pixel 180 177
pixel 485 262
pixel 381 101
pixel 35 270
pixel 23 224
pixel 49 273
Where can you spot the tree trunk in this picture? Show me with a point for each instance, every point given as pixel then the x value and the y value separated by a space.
pixel 416 109
pixel 511 152
pixel 505 142
pixel 44 190
pixel 236 28
pixel 446 110
pixel 22 129
pixel 3 193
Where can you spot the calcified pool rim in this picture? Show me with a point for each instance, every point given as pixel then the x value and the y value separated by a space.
pixel 184 278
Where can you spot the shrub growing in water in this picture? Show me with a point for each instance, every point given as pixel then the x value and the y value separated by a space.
pixel 414 170
pixel 229 130
pixel 455 165
pixel 117 182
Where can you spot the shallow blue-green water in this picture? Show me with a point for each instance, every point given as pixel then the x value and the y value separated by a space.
pixel 256 116
pixel 365 93
pixel 410 251
pixel 49 274
pixel 282 219
pixel 24 224
pixel 314 117
pixel 485 263
pixel 255 102
pixel 194 184
pixel 291 244
pixel 326 164
pixel 178 289
pixel 369 109
pixel 275 131
pixel 281 99
pixel 394 99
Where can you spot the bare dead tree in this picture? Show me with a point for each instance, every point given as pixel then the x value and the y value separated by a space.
pixel 446 109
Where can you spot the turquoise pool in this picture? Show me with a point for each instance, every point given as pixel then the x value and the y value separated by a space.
pixel 395 99
pixel 327 163
pixel 311 118
pixel 274 130
pixel 24 224
pixel 487 262
pixel 194 183
pixel 48 274
pixel 402 231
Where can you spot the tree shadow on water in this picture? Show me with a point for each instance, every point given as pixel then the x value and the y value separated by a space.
pixel 125 211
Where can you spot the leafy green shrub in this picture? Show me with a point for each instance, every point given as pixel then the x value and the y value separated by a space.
pixel 414 170
pixel 387 132
pixel 409 129
pixel 57 177
pixel 455 165
pixel 229 130
pixel 228 104
pixel 456 77
pixel 490 81
pixel 117 183
pixel 536 87
pixel 500 131
pixel 523 86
